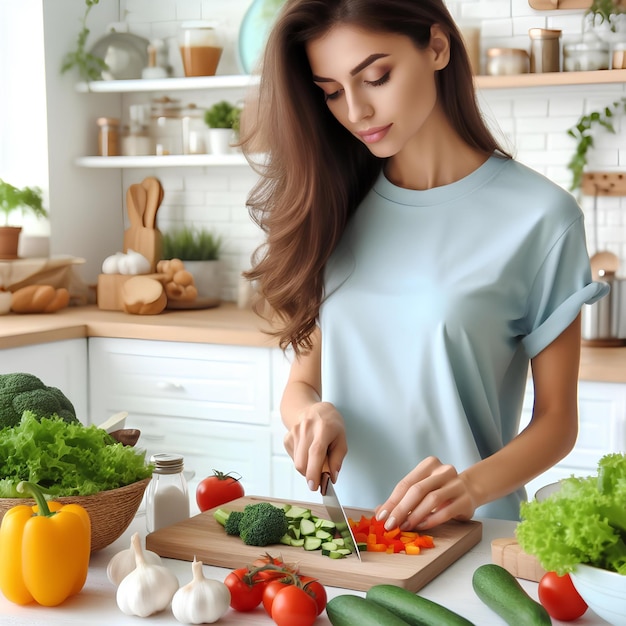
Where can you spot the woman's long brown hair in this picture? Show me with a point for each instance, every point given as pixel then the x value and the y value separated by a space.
pixel 315 173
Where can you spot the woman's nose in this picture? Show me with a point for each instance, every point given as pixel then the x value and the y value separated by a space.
pixel 358 108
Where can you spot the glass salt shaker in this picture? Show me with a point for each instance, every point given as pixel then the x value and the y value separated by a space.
pixel 167 498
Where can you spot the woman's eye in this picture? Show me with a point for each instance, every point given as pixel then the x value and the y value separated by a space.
pixel 332 96
pixel 380 81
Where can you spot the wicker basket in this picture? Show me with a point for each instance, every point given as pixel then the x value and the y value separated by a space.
pixel 111 512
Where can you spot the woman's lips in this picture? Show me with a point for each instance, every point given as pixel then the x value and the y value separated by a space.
pixel 372 135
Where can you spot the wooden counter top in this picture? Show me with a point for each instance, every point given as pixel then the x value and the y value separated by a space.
pixel 225 325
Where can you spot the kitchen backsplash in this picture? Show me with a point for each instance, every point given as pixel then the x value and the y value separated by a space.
pixel 532 121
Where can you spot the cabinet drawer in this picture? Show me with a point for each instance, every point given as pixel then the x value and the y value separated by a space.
pixel 209 445
pixel 223 383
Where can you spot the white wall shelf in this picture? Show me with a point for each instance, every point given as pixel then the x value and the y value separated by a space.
pixel 237 81
pixel 172 160
pixel 552 79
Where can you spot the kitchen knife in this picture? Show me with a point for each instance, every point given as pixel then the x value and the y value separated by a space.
pixel 336 513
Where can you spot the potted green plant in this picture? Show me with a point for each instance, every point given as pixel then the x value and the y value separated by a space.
pixel 605 12
pixel 15 200
pixel 199 249
pixel 222 118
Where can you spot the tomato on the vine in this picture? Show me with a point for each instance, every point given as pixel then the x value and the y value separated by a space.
pixel 292 606
pixel 243 596
pixel 269 593
pixel 218 489
pixel 559 597
pixel 318 591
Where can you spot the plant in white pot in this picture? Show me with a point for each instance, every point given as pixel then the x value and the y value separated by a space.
pixel 13 201
pixel 199 249
pixel 223 121
pixel 605 18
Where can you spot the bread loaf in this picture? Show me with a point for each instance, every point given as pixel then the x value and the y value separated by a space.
pixel 143 296
pixel 39 299
pixel 178 282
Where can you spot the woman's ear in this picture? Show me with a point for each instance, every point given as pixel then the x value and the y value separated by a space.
pixel 440 45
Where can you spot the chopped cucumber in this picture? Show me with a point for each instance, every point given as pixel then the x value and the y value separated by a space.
pixel 331 546
pixel 298 512
pixel 312 543
pixel 307 527
pixel 323 534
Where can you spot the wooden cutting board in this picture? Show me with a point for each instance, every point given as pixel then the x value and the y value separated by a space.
pixel 201 536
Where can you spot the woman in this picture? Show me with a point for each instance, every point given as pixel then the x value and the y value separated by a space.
pixel 415 268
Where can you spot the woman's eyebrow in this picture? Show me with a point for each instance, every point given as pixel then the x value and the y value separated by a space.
pixel 355 70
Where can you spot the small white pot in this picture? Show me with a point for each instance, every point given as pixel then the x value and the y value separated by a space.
pixel 206 277
pixel 220 140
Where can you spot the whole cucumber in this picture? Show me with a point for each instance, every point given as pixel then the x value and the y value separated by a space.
pixel 414 609
pixel 503 594
pixel 351 610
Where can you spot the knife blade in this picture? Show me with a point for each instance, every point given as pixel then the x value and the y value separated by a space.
pixel 336 513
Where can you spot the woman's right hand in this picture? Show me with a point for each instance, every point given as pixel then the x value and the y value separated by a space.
pixel 319 432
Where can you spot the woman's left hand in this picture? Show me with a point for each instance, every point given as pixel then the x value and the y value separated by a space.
pixel 430 494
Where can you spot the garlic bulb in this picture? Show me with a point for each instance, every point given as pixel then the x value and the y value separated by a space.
pixel 202 601
pixel 123 563
pixel 148 588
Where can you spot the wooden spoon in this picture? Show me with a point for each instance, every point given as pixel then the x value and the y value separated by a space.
pixel 602 261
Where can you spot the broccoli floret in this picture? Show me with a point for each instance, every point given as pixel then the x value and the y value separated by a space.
pixel 232 523
pixel 21 392
pixel 262 524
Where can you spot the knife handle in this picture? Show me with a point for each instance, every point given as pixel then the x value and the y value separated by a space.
pixel 325 477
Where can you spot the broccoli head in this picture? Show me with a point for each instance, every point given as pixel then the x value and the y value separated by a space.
pixel 262 524
pixel 21 392
pixel 233 520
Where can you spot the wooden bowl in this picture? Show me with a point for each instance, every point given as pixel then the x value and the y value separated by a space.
pixel 111 512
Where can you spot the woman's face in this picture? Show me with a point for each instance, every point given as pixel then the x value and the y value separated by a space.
pixel 378 85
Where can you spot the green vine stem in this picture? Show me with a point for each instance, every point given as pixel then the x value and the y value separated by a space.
pixel 582 132
pixel 89 67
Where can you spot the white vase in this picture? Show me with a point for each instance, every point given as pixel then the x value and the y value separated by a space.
pixel 220 140
pixel 206 277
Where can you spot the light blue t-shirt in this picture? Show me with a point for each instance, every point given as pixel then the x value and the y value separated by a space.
pixel 435 302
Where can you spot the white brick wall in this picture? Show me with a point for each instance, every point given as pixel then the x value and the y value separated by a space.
pixel 533 121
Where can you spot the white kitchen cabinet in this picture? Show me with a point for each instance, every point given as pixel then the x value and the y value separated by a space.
pixel 287 482
pixel 602 429
pixel 61 364
pixel 209 403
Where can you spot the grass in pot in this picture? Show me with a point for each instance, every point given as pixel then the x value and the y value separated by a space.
pixel 223 121
pixel 199 249
pixel 13 201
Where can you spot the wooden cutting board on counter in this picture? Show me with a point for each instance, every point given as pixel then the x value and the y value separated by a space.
pixel 203 538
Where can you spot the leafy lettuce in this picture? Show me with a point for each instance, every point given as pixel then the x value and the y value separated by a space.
pixel 65 458
pixel 583 522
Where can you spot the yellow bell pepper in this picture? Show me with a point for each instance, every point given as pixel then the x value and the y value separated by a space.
pixel 44 550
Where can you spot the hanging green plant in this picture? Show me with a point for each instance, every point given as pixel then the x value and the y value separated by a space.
pixel 89 66
pixel 582 132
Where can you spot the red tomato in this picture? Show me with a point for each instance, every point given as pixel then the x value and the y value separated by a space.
pixel 293 606
pixel 218 489
pixel 559 597
pixel 269 593
pixel 243 597
pixel 318 591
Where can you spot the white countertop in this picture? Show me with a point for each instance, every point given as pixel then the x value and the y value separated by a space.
pixel 95 605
